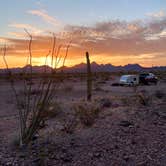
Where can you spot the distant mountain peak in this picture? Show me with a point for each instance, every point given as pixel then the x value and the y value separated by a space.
pixel 82 68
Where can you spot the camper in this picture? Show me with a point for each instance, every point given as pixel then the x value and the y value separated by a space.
pixel 129 80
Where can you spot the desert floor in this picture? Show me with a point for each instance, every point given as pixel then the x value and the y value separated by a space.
pixel 126 132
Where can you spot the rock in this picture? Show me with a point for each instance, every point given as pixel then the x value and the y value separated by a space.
pixel 125 123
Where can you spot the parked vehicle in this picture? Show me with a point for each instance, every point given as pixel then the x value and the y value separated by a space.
pixel 129 80
pixel 146 78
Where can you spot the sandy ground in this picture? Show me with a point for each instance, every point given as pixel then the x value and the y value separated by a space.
pixel 107 142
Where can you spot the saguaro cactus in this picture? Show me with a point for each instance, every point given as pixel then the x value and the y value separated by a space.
pixel 89 78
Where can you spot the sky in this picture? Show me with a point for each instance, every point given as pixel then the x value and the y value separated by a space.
pixel 113 31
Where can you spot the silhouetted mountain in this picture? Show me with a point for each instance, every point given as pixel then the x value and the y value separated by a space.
pixel 110 68
pixel 35 69
pixel 82 68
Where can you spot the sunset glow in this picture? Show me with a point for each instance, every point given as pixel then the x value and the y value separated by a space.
pixel 116 32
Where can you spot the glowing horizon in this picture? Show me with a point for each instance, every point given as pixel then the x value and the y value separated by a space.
pixel 120 33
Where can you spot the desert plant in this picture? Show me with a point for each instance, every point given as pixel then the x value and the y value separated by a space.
pixel 87 113
pixel 144 98
pixel 33 105
pixel 89 78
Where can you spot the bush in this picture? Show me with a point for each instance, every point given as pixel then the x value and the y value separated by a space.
pixel 144 98
pixel 87 113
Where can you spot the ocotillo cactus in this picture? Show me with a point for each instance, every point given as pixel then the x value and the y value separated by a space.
pixel 89 78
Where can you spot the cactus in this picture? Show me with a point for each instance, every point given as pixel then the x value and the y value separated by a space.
pixel 89 78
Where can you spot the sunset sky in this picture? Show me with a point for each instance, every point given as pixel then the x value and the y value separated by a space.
pixel 113 31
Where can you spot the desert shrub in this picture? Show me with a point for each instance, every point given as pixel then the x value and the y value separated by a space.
pixel 87 113
pixel 144 98
pixel 52 110
pixel 159 94
pixel 33 105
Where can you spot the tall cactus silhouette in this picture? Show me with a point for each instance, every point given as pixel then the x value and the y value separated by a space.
pixel 89 78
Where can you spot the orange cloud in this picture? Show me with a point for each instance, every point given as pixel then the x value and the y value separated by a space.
pixel 114 41
pixel 29 27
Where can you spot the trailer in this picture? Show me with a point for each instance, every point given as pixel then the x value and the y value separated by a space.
pixel 130 80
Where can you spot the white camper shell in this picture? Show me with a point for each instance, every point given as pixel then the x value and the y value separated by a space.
pixel 129 80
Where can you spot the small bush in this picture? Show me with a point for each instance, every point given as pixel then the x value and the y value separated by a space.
pixel 51 111
pixel 144 98
pixel 87 113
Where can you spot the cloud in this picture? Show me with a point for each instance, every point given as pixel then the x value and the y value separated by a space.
pixel 159 14
pixel 137 39
pixel 122 38
pixel 43 14
pixel 29 27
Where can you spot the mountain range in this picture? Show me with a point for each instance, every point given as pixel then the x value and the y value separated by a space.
pixel 81 68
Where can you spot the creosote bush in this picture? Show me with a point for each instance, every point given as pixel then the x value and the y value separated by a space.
pixel 87 113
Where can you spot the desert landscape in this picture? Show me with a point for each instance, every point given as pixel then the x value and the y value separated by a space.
pixel 83 83
pixel 125 129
